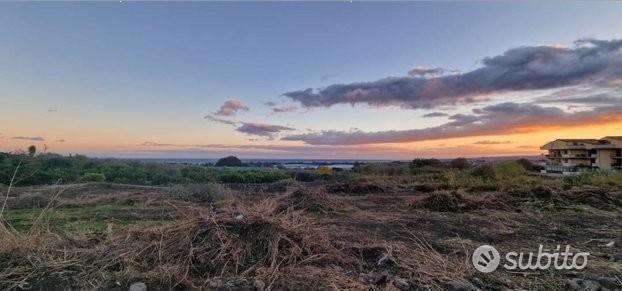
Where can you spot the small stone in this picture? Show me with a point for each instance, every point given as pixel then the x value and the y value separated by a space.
pixel 259 285
pixel 239 217
pixel 401 284
pixel 610 244
pixel 612 283
pixel 583 285
pixel 374 278
pixel 138 286
pixel 459 286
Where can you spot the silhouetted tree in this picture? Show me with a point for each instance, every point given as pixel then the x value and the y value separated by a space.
pixel 229 161
pixel 32 150
pixel 460 163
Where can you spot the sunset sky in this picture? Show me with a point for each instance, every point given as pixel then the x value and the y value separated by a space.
pixel 345 80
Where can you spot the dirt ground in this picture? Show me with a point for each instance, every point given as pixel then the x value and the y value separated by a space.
pixel 393 240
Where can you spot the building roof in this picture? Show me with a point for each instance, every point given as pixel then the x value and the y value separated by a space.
pixel 582 140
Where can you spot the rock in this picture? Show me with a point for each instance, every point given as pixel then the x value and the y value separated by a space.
pixel 374 278
pixel 459 286
pixel 610 244
pixel 616 258
pixel 611 283
pixel 239 217
pixel 138 286
pixel 583 285
pixel 259 285
pixel 401 284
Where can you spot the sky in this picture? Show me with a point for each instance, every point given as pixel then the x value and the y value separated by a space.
pixel 351 80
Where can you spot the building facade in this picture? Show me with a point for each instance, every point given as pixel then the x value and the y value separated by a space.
pixel 574 155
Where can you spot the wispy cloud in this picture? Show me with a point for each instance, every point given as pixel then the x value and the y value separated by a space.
pixel 231 107
pixel 60 140
pixel 491 142
pixel 31 138
pixel 262 129
pixel 219 120
pixel 277 110
pixel 435 114
pixel 589 61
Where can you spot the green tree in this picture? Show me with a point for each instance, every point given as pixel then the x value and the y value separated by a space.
pixel 230 161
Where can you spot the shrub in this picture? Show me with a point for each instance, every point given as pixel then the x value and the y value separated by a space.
pixel 93 177
pixel 325 170
pixel 419 163
pixel 199 193
pixel 486 172
pixel 460 163
pixel 229 161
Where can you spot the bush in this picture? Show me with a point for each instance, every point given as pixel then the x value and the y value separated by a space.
pixel 93 177
pixel 460 163
pixel 199 193
pixel 229 161
pixel 419 163
pixel 486 172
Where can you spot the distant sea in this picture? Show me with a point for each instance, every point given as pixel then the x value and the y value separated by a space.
pixel 288 163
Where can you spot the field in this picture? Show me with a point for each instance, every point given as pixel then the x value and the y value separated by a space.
pixel 380 227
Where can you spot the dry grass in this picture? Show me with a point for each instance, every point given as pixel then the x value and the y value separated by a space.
pixel 247 241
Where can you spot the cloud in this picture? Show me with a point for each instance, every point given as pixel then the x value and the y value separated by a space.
pixel 528 147
pixel 277 110
pixel 219 120
pixel 326 77
pixel 270 104
pixel 595 100
pixel 424 72
pixel 31 138
pixel 52 110
pixel 231 107
pixel 435 114
pixel 262 129
pixel 60 140
pixel 491 142
pixel 504 118
pixel 589 61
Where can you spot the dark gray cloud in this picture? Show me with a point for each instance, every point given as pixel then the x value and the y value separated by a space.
pixel 589 61
pixel 270 104
pixel 435 114
pixel 219 120
pixel 262 129
pixel 504 118
pixel 491 142
pixel 231 107
pixel 31 138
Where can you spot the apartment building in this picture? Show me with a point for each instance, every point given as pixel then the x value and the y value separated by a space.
pixel 574 155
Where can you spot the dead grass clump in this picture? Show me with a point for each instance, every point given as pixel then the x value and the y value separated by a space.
pixel 28 200
pixel 311 200
pixel 248 241
pixel 454 201
pixel 355 188
pixel 251 241
pixel 597 197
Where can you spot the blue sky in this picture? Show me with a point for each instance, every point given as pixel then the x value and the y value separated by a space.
pixel 125 73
